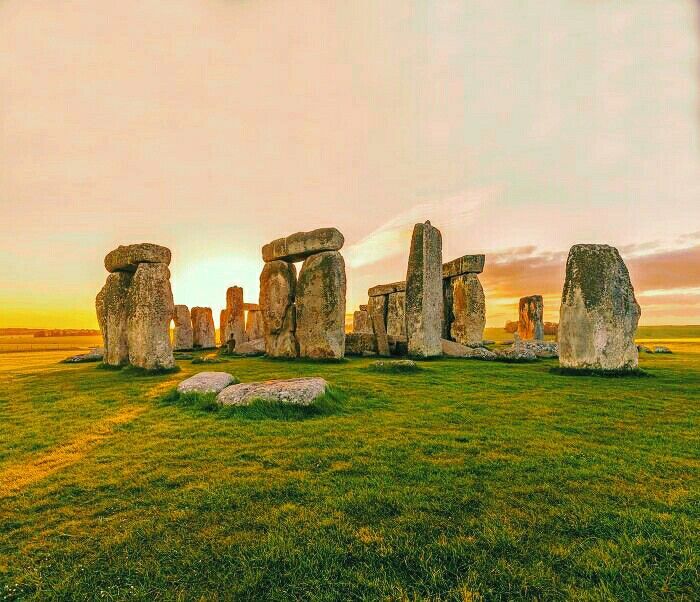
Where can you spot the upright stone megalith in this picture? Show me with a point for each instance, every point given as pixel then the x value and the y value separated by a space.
pixel 203 329
pixel 530 318
pixel 396 314
pixel 254 327
pixel 362 322
pixel 182 334
pixel 151 308
pixel 112 316
pixel 320 301
pixel 468 310
pixel 424 304
pixel 599 312
pixel 277 291
pixel 234 316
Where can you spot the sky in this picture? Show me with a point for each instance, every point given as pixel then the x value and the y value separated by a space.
pixel 214 126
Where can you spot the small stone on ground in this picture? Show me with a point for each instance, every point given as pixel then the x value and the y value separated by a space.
pixel 206 382
pixel 298 391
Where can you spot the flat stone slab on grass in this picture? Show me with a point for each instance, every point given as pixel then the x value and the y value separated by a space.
pixel 454 349
pixel 298 391
pixel 206 382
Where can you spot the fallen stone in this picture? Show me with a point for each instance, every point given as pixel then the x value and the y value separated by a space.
pixel 424 302
pixel 396 314
pixel 599 312
pixel 151 307
pixel 112 310
pixel 298 391
pixel 394 366
pixel 644 349
pixel 203 329
pixel 366 343
pixel 516 354
pixel 542 349
pixel 468 310
pixel 301 245
pixel 387 289
pixel 452 349
pixel 206 382
pixel 182 334
pixel 127 258
pixel 468 264
pixel 320 302
pixel 530 323
pixel 94 355
pixel 662 349
pixel 277 291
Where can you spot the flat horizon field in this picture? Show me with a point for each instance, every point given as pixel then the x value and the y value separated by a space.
pixel 465 480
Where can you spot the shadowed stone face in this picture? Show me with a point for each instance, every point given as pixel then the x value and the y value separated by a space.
pixel 599 312
pixel 203 329
pixel 530 313
pixel 182 334
pixel 277 291
pixel 112 315
pixel 424 303
pixel 151 308
pixel 468 310
pixel 320 301
pixel 396 314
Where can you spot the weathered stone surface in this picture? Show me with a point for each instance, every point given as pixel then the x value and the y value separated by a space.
pixel 94 355
pixel 112 316
pixel 182 334
pixel 468 310
pixel 424 303
pixel 468 264
pixel 542 349
pixel 203 329
pixel 530 313
pixel 378 313
pixel 320 301
pixel 387 289
pixel 551 328
pixel 223 326
pixel 303 244
pixel 299 391
pixel 357 343
pixel 277 291
pixel 452 349
pixel 396 314
pixel 251 348
pixel 251 306
pixel 127 258
pixel 662 349
pixel 362 322
pixel 254 327
pixel 364 307
pixel 599 312
pixel 151 308
pixel 511 326
pixel 235 316
pixel 206 382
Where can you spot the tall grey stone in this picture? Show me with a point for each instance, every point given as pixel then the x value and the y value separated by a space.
pixel 182 334
pixel 599 312
pixel 235 316
pixel 396 314
pixel 362 322
pixel 151 308
pixel 112 315
pixel 254 327
pixel 203 329
pixel 378 310
pixel 320 301
pixel 277 292
pixel 424 304
pixel 468 310
pixel 530 318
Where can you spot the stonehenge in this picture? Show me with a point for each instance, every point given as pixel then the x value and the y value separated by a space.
pixel 232 327
pixel 304 317
pixel 135 306
pixel 599 312
pixel 254 328
pixel 530 318
pixel 203 329
pixel 182 334
pixel 361 321
pixel 464 300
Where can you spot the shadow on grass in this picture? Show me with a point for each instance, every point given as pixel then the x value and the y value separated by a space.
pixel 638 373
pixel 332 402
pixel 139 372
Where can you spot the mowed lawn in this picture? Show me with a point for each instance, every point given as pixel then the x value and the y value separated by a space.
pixel 463 481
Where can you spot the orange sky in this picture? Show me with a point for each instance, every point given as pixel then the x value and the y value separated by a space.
pixel 214 126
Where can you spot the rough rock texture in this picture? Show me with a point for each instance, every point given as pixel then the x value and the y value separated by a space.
pixel 360 343
pixel 599 312
pixel 387 289
pixel 127 258
pixel 468 264
pixel 223 326
pixel 320 301
pixel 94 355
pixel 235 316
pixel 511 326
pixel 424 304
pixel 300 391
pixel 662 349
pixel 452 349
pixel 182 334
pixel 542 349
pixel 206 382
pixel 551 328
pixel 362 322
pixel 203 330
pixel 251 306
pixel 378 314
pixel 277 290
pixel 516 354
pixel 396 314
pixel 468 310
pixel 303 244
pixel 530 323
pixel 251 348
pixel 254 328
pixel 112 315
pixel 151 307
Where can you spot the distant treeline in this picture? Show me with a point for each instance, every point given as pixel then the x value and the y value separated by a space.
pixel 50 332
pixel 549 327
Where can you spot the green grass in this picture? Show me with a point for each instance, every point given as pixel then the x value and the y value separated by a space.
pixel 469 480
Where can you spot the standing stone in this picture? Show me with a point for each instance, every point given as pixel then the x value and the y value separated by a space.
pixel 182 335
pixel 277 290
pixel 396 314
pixel 223 326
pixel 530 318
pixel 320 301
pixel 599 312
pixel 112 315
pixel 468 310
pixel 447 307
pixel 203 329
pixel 151 308
pixel 361 322
pixel 254 327
pixel 235 316
pixel 424 305
pixel 378 311
pixel 127 258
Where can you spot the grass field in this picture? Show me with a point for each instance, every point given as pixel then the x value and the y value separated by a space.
pixel 23 342
pixel 462 481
